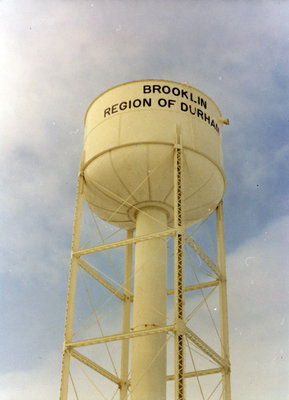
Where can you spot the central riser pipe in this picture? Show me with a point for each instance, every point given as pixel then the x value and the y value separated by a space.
pixel 148 376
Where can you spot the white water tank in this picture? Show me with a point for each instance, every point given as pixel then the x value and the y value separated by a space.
pixel 130 133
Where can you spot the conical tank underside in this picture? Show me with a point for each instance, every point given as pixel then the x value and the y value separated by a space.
pixel 130 135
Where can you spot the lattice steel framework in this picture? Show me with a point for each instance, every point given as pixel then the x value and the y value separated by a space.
pixel 178 329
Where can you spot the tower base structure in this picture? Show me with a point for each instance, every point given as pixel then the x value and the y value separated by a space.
pixel 158 337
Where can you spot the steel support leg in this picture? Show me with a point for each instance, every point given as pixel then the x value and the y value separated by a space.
pixel 178 284
pixel 223 302
pixel 126 319
pixel 71 289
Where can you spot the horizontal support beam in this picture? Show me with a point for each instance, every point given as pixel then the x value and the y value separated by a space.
pixel 91 364
pixel 124 242
pixel 196 287
pixel 100 279
pixel 194 245
pixel 112 338
pixel 205 348
pixel 201 372
pixel 192 374
pixel 152 331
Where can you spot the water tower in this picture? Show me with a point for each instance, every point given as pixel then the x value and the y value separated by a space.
pixel 152 165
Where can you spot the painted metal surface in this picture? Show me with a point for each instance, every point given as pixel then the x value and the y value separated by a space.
pixel 152 162
pixel 148 373
pixel 130 132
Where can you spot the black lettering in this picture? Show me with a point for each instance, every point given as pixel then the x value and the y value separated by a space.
pixel 147 102
pixel 106 112
pixel 136 103
pixel 184 107
pixel 176 91
pixel 114 109
pixel 171 102
pixel 184 93
pixel 215 126
pixel 156 88
pixel 162 102
pixel 147 88
pixel 123 105
pixel 203 103
pixel 166 89
pixel 191 111
pixel 207 118
pixel 200 113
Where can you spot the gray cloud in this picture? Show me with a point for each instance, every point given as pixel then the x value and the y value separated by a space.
pixel 57 56
pixel 258 312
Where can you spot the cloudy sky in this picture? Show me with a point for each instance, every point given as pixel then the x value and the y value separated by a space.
pixel 56 57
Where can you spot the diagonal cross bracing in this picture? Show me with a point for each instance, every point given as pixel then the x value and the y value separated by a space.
pixel 91 364
pixel 194 245
pixel 100 279
pixel 205 348
pixel 125 242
